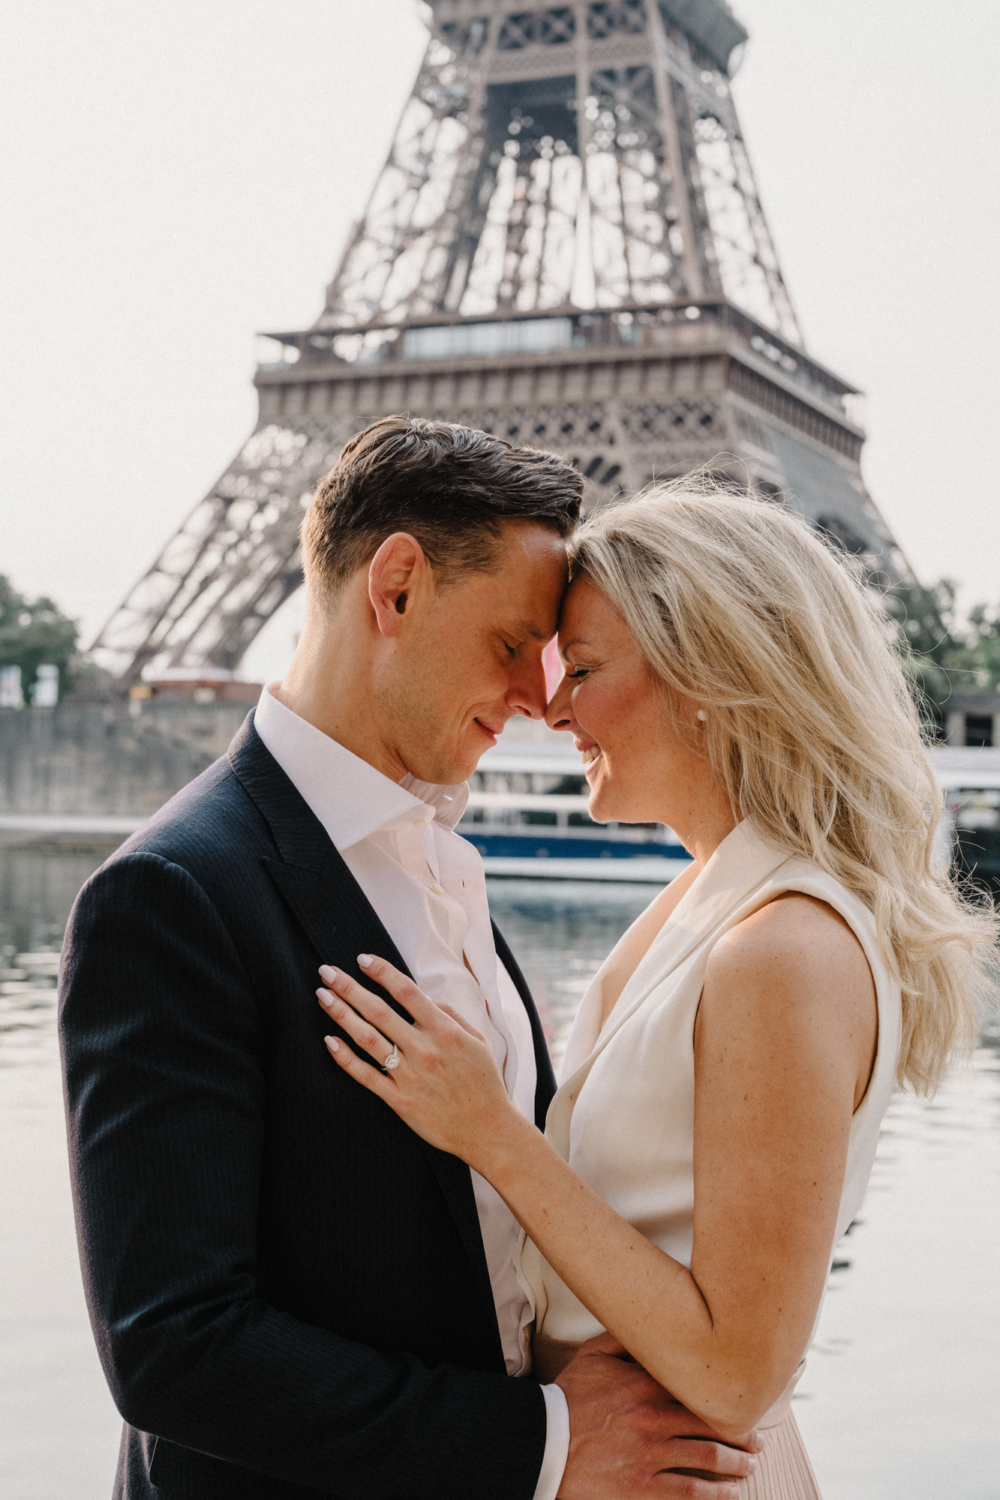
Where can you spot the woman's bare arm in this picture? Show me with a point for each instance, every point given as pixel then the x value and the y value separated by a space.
pixel 784 1043
pixel 784 1047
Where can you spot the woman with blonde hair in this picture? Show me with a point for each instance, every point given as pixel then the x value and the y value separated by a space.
pixel 728 675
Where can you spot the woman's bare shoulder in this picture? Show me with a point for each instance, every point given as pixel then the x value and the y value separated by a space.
pixel 790 988
pixel 793 944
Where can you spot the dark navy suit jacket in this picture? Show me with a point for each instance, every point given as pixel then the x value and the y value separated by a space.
pixel 288 1287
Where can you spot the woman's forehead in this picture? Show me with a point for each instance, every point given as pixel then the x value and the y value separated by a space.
pixel 587 615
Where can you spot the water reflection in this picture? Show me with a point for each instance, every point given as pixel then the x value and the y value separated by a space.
pixel 27 985
pixel 561 933
pixel 900 1396
pixel 37 890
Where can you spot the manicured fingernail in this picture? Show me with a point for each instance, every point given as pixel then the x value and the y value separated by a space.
pixel 325 998
pixel 752 1464
pixel 332 1043
pixel 364 959
pixel 327 973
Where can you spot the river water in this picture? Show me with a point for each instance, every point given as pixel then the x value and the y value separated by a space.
pixel 901 1399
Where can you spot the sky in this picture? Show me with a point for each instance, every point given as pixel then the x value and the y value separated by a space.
pixel 177 176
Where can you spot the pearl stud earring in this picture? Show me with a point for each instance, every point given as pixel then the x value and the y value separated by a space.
pixel 702 715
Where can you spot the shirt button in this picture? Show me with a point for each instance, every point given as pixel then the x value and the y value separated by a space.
pixel 437 889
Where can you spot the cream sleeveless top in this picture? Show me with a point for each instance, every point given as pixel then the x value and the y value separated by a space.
pixel 623 1116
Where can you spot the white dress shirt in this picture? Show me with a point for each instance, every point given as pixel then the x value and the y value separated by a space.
pixel 428 888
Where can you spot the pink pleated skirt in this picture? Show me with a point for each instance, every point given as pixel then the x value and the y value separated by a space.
pixel 783 1468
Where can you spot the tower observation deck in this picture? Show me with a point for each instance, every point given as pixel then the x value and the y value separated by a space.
pixel 566 247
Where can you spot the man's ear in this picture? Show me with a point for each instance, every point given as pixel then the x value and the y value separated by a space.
pixel 398 572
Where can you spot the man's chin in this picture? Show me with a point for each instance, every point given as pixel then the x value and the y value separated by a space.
pixel 448 766
pixel 444 770
pixel 465 765
pixel 462 767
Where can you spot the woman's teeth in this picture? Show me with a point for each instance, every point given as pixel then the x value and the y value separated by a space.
pixel 589 756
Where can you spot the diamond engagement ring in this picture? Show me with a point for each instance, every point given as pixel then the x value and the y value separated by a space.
pixel 392 1061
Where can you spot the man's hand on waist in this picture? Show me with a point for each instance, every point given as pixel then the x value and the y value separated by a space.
pixel 629 1437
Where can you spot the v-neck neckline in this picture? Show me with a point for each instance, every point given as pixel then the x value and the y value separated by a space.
pixel 741 860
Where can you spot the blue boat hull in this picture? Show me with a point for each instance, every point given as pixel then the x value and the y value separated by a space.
pixel 537 843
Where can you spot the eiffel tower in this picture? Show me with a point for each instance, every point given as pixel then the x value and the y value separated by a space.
pixel 566 247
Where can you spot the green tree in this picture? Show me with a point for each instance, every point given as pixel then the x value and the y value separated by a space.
pixel 942 656
pixel 925 620
pixel 32 633
pixel 984 644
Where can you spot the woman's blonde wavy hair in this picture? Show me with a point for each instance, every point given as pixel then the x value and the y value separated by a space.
pixel 738 606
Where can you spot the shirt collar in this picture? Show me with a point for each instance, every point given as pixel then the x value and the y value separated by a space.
pixel 447 803
pixel 349 797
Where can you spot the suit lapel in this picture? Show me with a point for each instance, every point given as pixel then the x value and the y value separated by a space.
pixel 335 914
pixel 338 919
pixel 545 1085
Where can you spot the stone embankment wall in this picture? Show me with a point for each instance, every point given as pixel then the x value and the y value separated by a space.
pixel 117 758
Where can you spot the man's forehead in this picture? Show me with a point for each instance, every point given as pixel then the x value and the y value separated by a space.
pixel 534 616
pixel 533 629
pixel 527 544
pixel 525 592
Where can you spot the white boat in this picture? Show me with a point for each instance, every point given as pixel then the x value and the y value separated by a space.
pixel 527 816
pixel 970 831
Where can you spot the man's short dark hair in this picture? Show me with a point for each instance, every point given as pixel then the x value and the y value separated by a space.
pixel 451 487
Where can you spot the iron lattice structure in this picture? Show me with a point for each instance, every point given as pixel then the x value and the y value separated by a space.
pixel 566 246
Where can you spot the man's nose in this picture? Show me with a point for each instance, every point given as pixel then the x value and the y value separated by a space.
pixel 529 695
pixel 559 714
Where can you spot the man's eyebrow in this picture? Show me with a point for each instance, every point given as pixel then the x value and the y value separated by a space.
pixel 536 635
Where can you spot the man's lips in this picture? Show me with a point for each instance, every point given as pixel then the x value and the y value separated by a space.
pixel 492 730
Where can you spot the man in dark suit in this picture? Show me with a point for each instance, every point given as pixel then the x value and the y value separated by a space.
pixel 292 1294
